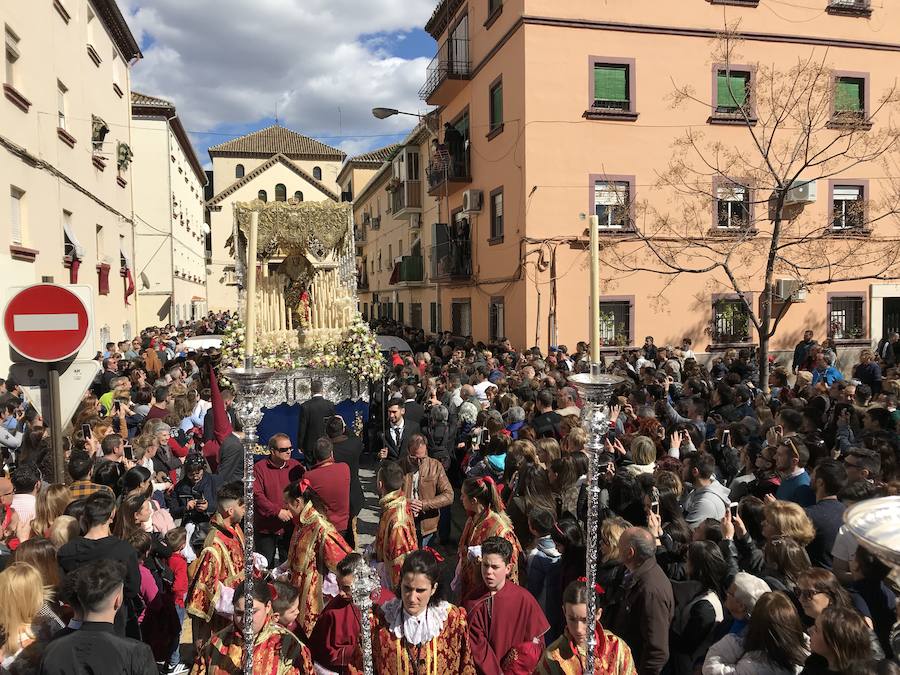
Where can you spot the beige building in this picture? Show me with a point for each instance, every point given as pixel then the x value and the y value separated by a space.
pixel 65 162
pixel 273 164
pixel 561 110
pixel 394 243
pixel 169 214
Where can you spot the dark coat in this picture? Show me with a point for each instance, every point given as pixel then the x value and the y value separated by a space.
pixel 644 615
pixel 414 412
pixel 546 424
pixel 395 452
pixel 231 460
pixel 347 450
pixel 313 414
pixel 95 648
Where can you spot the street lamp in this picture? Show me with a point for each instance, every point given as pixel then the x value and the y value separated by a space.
pixel 384 113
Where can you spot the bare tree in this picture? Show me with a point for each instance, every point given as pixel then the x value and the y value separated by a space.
pixel 798 125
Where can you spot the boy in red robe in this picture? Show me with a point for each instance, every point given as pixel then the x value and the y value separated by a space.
pixel 506 624
pixel 396 534
pixel 220 563
pixel 336 633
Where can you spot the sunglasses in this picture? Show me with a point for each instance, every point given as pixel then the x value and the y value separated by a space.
pixel 287 449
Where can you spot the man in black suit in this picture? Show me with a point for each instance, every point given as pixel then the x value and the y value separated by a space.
pixel 395 439
pixel 413 412
pixel 546 421
pixel 313 414
pixel 347 448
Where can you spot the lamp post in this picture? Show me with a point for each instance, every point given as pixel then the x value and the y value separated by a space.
pixel 384 113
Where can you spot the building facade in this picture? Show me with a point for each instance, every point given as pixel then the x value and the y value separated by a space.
pixel 273 164
pixel 65 160
pixel 552 112
pixel 169 214
pixel 394 279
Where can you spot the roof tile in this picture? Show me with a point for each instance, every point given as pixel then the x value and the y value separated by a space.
pixel 276 140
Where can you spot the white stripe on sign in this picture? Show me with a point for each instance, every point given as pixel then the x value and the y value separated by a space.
pixel 44 322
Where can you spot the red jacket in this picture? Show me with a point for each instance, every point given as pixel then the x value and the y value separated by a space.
pixel 178 565
pixel 268 492
pixel 331 481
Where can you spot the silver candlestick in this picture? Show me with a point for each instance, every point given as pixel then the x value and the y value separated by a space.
pixel 250 385
pixel 365 582
pixel 595 389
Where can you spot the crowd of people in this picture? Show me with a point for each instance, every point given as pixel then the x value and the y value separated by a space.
pixel 721 548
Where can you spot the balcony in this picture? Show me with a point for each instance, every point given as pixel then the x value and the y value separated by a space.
pixel 407 199
pixel 452 260
pixel 376 223
pixel 449 174
pixel 360 233
pixel 410 271
pixel 448 72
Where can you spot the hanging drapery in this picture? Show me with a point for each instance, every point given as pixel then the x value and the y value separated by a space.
pixel 127 276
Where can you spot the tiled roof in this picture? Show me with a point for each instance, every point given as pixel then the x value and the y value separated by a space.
pixel 377 157
pixel 443 13
pixel 276 140
pixel 142 99
pixel 109 12
pixel 262 168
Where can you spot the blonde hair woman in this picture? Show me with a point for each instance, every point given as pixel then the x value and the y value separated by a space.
pixel 63 529
pixel 51 503
pixel 22 594
pixel 547 451
pixel 610 573
pixel 787 519
pixel 643 456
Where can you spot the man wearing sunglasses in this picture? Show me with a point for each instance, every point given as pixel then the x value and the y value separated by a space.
pixel 271 476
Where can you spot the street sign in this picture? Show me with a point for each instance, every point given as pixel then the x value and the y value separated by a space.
pixel 73 382
pixel 46 323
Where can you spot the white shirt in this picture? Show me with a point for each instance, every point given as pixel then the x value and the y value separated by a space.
pixel 24 505
pixel 481 389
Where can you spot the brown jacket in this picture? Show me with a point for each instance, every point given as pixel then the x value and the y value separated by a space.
pixel 435 491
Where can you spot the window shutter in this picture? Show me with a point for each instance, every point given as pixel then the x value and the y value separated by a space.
pixel 610 83
pixel 497 105
pixel 846 193
pixel 731 90
pixel 731 193
pixel 610 194
pixel 16 217
pixel 848 95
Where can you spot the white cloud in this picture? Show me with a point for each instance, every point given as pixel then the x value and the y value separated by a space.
pixel 229 62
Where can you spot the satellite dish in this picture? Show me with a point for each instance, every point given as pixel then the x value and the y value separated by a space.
pixel 145 281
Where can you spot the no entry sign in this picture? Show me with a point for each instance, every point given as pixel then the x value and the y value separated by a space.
pixel 46 323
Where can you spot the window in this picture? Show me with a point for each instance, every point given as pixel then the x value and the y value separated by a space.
pixel 12 57
pixel 497 214
pixel 731 321
pixel 612 200
pixel 615 323
pixel 849 98
pixel 61 92
pixel 848 207
pixel 280 193
pixel 100 243
pixel 461 317
pixel 494 6
pixel 612 86
pixel 298 196
pixel 262 196
pixel 495 320
pixel 845 317
pixel 400 313
pixel 434 317
pixel 415 315
pixel 317 173
pixel 732 91
pixel 732 206
pixel 496 107
pixel 17 215
pixel 239 171
pixel 90 26
pixel 68 244
pixel 116 66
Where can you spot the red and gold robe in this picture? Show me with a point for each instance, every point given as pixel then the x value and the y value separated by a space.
pixel 276 652
pixel 612 656
pixel 447 653
pixel 478 528
pixel 336 635
pixel 316 549
pixel 396 534
pixel 506 631
pixel 221 560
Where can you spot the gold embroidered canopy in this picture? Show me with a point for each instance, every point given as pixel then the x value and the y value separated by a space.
pixel 293 226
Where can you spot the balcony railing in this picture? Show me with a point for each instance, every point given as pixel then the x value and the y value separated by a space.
pixel 376 222
pixel 447 171
pixel 410 270
pixel 450 63
pixel 451 260
pixel 408 195
pixel 359 234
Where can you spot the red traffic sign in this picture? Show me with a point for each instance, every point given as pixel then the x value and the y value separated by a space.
pixel 46 322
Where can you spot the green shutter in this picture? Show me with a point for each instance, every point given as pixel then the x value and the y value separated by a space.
pixel 731 90
pixel 611 83
pixel 848 95
pixel 497 105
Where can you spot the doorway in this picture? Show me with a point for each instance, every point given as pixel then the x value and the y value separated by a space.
pixel 890 316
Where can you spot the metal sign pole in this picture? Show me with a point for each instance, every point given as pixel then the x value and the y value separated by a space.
pixel 59 454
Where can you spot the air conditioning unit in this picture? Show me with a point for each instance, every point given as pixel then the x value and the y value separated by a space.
pixel 472 201
pixel 415 221
pixel 801 192
pixel 790 289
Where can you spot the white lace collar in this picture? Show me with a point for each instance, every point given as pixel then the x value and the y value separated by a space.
pixel 416 629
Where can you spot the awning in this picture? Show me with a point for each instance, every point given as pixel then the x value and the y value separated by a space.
pixel 77 249
pixel 126 259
